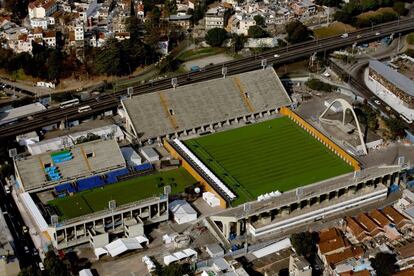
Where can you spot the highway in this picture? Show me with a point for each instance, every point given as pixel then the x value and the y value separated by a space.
pixel 278 56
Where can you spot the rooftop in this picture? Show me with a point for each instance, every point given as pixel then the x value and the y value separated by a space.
pixel 199 104
pixel 355 228
pixel 406 251
pixel 86 159
pixel 397 79
pixel 395 216
pixel 14 113
pixel 379 218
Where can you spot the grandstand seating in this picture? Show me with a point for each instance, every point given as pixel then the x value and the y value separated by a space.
pixel 143 167
pixel 112 177
pixel 65 188
pixel 90 183
pixel 62 156
pixel 52 173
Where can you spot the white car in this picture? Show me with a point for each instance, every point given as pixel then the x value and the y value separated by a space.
pixel 276 56
pixel 377 33
pixel 377 102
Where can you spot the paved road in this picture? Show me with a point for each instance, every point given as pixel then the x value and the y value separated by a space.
pixel 27 256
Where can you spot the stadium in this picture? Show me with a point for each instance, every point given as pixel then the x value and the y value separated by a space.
pixel 87 192
pixel 264 159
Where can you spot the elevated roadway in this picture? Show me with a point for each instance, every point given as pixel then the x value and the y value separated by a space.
pixel 278 56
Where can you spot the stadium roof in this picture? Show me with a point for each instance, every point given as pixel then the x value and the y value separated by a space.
pixel 397 79
pixel 200 104
pixel 87 159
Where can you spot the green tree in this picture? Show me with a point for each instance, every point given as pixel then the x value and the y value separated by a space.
pixel 29 271
pixel 260 21
pixel 297 32
pixel 216 36
pixel 384 264
pixel 329 3
pixel 132 9
pixel 399 7
pixel 133 27
pixel 170 7
pixel 304 243
pixel 257 32
pixel 54 266
pixel 239 41
pixel 396 128
pixel 54 65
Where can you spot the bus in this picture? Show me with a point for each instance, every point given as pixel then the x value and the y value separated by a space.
pixel 406 119
pixel 69 103
pixel 84 108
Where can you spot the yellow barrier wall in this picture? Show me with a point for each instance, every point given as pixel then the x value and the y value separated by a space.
pixel 320 137
pixel 194 173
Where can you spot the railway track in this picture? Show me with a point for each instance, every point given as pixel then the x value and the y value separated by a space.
pixel 284 55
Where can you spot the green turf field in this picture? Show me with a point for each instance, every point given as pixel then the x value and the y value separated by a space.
pixel 138 188
pixel 267 156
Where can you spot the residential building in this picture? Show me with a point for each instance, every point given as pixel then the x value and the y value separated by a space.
pixel 356 230
pixel 214 18
pixel 299 266
pixel 49 38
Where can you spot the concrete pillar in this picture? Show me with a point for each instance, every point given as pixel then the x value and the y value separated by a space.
pixel 245 118
pixel 159 209
pixel 62 125
pixel 238 228
pixel 211 127
pixel 194 131
pixel 236 120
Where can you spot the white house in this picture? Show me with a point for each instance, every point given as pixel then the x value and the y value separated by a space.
pixel 182 211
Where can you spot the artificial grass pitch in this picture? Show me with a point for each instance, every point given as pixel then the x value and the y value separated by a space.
pixel 265 157
pixel 135 189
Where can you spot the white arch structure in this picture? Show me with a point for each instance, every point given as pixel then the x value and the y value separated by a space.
pixel 345 106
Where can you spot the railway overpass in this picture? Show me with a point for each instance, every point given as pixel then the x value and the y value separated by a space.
pixel 110 101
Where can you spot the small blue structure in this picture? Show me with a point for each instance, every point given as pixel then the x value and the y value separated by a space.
pixel 143 167
pixel 112 177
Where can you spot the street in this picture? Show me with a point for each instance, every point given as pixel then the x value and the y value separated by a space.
pixel 24 248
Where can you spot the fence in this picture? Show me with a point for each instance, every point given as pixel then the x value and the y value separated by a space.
pixel 322 138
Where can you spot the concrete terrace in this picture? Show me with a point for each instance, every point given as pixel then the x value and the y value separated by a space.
pixel 202 104
pixel 88 159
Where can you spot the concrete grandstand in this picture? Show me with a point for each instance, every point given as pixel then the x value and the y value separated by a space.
pixel 392 87
pixel 203 106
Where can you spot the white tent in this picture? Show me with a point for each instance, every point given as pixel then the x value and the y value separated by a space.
pixel 131 157
pixel 182 211
pixel 85 272
pixel 150 264
pixel 142 239
pixel 190 252
pixel 211 199
pixel 100 251
pixel 180 255
pixel 169 259
pixel 120 246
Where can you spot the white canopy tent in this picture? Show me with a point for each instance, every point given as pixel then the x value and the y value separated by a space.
pixel 120 246
pixel 182 211
pixel 169 259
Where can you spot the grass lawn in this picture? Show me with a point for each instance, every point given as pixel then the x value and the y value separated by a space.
pixel 138 188
pixel 199 53
pixel 336 28
pixel 267 156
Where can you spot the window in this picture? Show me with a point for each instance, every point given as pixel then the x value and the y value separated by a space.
pixel 90 155
pixel 246 95
pixel 171 112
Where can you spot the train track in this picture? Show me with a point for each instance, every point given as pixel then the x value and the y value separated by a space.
pixel 284 55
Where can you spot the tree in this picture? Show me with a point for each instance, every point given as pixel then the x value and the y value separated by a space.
pixel 297 32
pixel 170 7
pixel 216 36
pixel 132 11
pixel 304 243
pixel 54 65
pixel 29 271
pixel 257 32
pixel 238 41
pixel 396 128
pixel 133 27
pixel 260 21
pixel 329 3
pixel 384 264
pixel 54 266
pixel 399 7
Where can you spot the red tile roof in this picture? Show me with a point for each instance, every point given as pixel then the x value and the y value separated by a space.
pixel 356 229
pixel 395 216
pixel 379 218
pixel 368 224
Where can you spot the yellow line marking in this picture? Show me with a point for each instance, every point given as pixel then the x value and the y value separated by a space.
pixel 86 159
pixel 165 105
pixel 242 91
